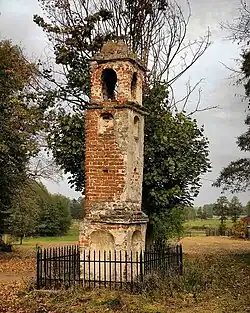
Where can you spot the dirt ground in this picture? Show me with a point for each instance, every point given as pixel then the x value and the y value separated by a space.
pixel 229 295
pixel 214 245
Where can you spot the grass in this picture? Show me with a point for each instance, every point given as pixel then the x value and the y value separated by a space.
pixel 213 223
pixel 216 280
pixel 70 237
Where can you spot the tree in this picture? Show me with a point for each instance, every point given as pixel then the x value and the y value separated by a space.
pixel 61 205
pixel 189 213
pixel 175 155
pixel 221 209
pixel 235 208
pixel 23 219
pixel 199 213
pixel 236 176
pixel 20 120
pixel 208 210
pixel 54 219
pixel 248 208
pixel 77 208
pixel 176 151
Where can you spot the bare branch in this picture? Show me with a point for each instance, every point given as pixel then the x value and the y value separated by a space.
pixel 155 30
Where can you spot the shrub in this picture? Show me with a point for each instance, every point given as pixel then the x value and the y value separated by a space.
pixel 239 229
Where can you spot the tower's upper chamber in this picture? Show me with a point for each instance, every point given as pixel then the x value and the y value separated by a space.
pixel 116 75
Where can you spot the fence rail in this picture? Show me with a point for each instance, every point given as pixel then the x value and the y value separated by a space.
pixel 69 266
pixel 218 232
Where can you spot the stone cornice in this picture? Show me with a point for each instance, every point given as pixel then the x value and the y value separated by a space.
pixel 115 105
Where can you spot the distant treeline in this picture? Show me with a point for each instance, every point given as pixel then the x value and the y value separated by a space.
pixel 222 207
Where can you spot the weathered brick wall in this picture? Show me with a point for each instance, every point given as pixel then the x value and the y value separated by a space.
pixel 124 71
pixel 104 162
pixel 113 160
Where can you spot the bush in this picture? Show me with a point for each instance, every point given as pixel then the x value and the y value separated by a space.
pixel 239 229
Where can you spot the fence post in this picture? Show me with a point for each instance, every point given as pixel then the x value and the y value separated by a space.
pixel 45 265
pixel 141 266
pixel 38 257
pixel 177 257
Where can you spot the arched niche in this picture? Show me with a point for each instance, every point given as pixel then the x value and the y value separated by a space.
pixel 136 125
pixel 137 241
pixel 102 240
pixel 106 122
pixel 109 84
pixel 134 82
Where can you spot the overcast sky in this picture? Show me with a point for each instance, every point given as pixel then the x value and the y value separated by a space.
pixel 222 125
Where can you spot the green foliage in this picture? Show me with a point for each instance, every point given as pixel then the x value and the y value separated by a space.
pixel 77 208
pixel 201 213
pixel 247 208
pixel 165 224
pixel 235 208
pixel 36 212
pixel 175 155
pixel 54 219
pixel 189 213
pixel 23 220
pixel 221 209
pixel 209 210
pixel 19 123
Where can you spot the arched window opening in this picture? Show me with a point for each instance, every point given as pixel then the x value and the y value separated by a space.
pixel 109 84
pixel 134 85
pixel 136 127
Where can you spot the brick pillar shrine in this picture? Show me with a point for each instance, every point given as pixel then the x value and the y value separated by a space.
pixel 114 153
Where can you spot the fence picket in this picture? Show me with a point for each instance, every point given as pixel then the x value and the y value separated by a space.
pixel 38 262
pixel 99 259
pixel 94 269
pixel 89 268
pixel 120 269
pixel 115 266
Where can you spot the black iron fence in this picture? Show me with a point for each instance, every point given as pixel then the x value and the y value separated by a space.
pixel 69 266
pixel 58 266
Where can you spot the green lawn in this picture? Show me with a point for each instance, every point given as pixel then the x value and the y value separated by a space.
pixel 213 223
pixel 71 237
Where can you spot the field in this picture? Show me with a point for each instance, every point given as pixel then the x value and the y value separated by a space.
pixel 216 280
pixel 213 223
pixel 70 238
